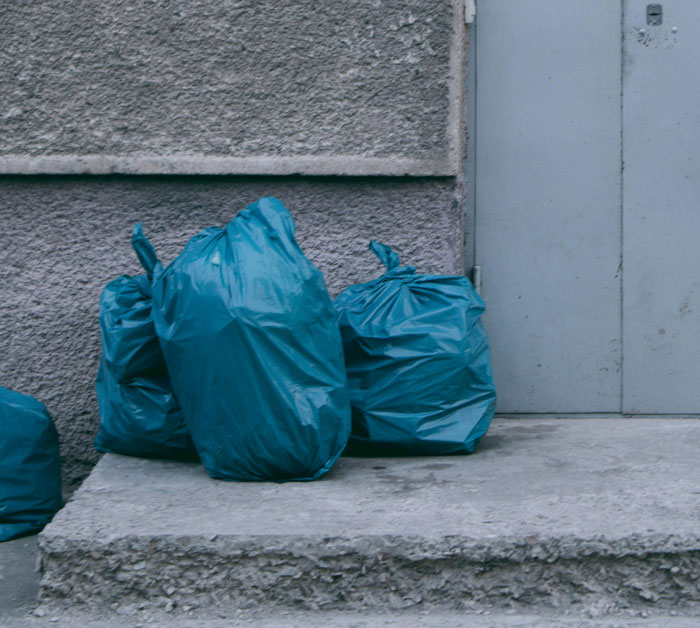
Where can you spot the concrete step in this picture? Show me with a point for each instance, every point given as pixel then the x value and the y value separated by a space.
pixel 561 516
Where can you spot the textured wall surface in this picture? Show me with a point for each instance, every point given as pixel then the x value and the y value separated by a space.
pixel 123 85
pixel 240 87
pixel 63 238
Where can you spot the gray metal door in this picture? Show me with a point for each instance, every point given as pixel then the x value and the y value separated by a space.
pixel 661 143
pixel 555 220
pixel 548 190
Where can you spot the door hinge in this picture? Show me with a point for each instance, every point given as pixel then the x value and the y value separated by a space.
pixel 469 11
pixel 476 279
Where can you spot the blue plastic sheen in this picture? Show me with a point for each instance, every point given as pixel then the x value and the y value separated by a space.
pixel 30 466
pixel 418 362
pixel 253 348
pixel 140 415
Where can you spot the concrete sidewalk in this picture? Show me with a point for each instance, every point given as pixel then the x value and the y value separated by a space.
pixel 343 619
pixel 19 578
pixel 567 520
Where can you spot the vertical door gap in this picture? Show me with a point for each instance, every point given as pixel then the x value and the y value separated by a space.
pixel 621 267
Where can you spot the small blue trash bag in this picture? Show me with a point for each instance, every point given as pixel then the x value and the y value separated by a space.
pixel 253 348
pixel 417 360
pixel 30 466
pixel 140 415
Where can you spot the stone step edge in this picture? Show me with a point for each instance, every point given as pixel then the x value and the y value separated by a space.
pixel 373 572
pixel 122 617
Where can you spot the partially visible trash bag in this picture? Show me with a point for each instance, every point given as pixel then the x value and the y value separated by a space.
pixel 140 415
pixel 30 466
pixel 254 351
pixel 418 364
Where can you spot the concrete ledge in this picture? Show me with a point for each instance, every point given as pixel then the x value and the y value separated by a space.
pixel 597 515
pixel 133 86
pixel 219 165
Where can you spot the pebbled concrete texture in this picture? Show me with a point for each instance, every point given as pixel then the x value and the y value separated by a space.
pixel 340 619
pixel 64 238
pixel 191 79
pixel 592 517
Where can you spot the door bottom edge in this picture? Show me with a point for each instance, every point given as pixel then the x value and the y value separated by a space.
pixel 592 415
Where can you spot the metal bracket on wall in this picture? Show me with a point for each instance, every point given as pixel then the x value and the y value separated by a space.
pixel 476 279
pixel 469 11
pixel 655 14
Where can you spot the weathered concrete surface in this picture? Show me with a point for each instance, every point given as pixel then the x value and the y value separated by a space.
pixel 63 238
pixel 339 619
pixel 194 86
pixel 19 577
pixel 19 584
pixel 588 516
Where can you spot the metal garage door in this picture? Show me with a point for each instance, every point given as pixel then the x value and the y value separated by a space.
pixel 591 270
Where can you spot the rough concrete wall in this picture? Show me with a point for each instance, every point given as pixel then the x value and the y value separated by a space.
pixel 63 238
pixel 363 87
pixel 90 84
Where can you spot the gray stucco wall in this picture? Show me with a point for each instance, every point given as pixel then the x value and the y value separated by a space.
pixel 202 87
pixel 232 86
pixel 63 238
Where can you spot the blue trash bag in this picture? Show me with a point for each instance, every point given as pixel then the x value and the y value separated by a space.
pixel 417 360
pixel 253 349
pixel 30 466
pixel 140 415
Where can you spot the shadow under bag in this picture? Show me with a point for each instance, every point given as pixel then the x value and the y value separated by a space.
pixel 253 349
pixel 418 362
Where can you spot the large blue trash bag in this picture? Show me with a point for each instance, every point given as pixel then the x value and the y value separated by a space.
pixel 418 362
pixel 30 466
pixel 253 349
pixel 140 415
